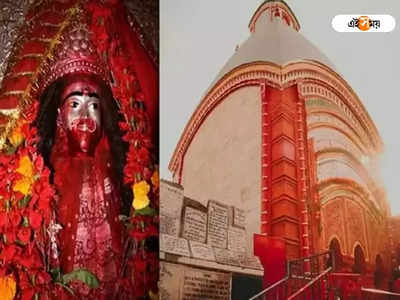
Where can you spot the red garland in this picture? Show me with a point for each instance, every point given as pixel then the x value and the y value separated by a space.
pixel 139 162
pixel 24 219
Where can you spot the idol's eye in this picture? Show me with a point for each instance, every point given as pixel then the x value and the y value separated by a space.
pixel 74 104
pixel 95 106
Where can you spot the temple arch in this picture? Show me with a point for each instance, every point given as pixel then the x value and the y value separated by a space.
pixel 359 260
pixel 334 246
pixel 379 273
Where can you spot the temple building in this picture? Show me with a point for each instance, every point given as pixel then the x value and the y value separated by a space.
pixel 282 137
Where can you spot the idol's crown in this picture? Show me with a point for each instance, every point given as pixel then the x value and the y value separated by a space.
pixel 75 53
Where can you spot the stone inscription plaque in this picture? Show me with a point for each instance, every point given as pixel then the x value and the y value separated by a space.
pixel 171 202
pixel 239 217
pixel 217 224
pixel 201 284
pixel 194 225
pixel 171 277
pixel 237 239
pixel 174 245
pixel 169 224
pixel 202 251
pixel 228 257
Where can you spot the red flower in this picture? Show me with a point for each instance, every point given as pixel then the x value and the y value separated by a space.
pixel 11 236
pixel 138 235
pixel 3 219
pixel 35 219
pixel 5 159
pixel 34 199
pixel 123 126
pixel 143 156
pixel 8 252
pixel 39 164
pixel 15 218
pixel 18 196
pixel 27 294
pixel 46 193
pixel 130 170
pixel 42 277
pixel 23 280
pixel 24 235
pixel 30 260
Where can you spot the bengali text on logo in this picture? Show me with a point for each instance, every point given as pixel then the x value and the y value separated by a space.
pixel 363 23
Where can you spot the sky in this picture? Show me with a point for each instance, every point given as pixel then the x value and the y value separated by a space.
pixel 198 37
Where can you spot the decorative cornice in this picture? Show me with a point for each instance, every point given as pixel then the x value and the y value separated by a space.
pixel 279 77
pixel 311 90
pixel 340 155
pixel 334 187
pixel 330 153
pixel 313 123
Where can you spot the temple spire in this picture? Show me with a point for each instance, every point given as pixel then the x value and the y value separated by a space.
pixel 275 9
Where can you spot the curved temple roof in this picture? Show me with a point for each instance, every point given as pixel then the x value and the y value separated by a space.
pixel 274 40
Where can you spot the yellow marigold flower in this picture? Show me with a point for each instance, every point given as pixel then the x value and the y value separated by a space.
pixel 140 198
pixel 23 185
pixel 16 137
pixel 155 179
pixel 7 288
pixel 25 166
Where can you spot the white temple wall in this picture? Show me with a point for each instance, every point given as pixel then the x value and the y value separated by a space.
pixel 223 162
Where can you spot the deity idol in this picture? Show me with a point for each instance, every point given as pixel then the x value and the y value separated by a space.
pixel 78 123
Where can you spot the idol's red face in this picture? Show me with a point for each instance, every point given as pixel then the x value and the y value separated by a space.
pixel 81 114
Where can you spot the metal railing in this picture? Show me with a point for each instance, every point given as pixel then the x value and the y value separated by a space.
pixel 311 266
pixel 374 294
pixel 278 290
pixel 317 288
pixel 300 272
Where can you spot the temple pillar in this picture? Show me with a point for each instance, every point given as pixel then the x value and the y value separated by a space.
pixel 285 175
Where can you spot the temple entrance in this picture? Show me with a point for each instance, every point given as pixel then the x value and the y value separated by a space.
pixel 359 260
pixel 379 274
pixel 253 286
pixel 334 246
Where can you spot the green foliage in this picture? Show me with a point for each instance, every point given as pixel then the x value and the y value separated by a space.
pixel 24 201
pixel 82 275
pixel 147 211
